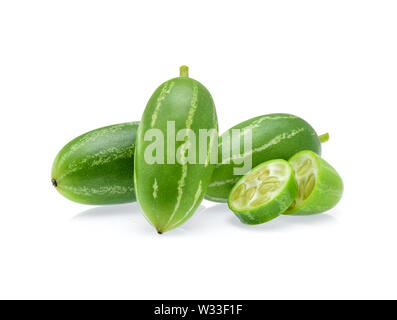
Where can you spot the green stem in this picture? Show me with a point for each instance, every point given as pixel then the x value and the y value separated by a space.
pixel 184 71
pixel 324 137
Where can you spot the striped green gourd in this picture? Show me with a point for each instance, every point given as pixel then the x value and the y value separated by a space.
pixel 274 136
pixel 169 193
pixel 97 167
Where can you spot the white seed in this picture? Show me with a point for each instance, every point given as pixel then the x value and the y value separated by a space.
pixel 268 187
pixel 250 193
pixel 260 200
pixel 301 189
pixel 271 179
pixel 252 176
pixel 239 191
pixel 304 168
pixel 309 185
pixel 264 175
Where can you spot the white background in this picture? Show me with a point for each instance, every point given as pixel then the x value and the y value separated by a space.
pixel 67 67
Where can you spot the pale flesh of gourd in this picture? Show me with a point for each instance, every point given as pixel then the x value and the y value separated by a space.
pixel 306 176
pixel 260 186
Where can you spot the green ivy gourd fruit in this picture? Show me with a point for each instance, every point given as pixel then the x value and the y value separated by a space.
pixel 169 191
pixel 264 193
pixel 97 167
pixel 320 186
pixel 274 136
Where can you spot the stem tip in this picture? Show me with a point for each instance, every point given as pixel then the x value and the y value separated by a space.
pixel 184 71
pixel 324 137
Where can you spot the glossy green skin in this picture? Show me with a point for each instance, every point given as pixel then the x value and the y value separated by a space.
pixel 274 136
pixel 327 192
pixel 272 209
pixel 169 194
pixel 97 167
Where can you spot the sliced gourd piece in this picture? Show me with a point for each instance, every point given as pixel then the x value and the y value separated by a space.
pixel 320 186
pixel 264 193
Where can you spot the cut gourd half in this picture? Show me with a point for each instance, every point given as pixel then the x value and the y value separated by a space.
pixel 319 185
pixel 264 192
